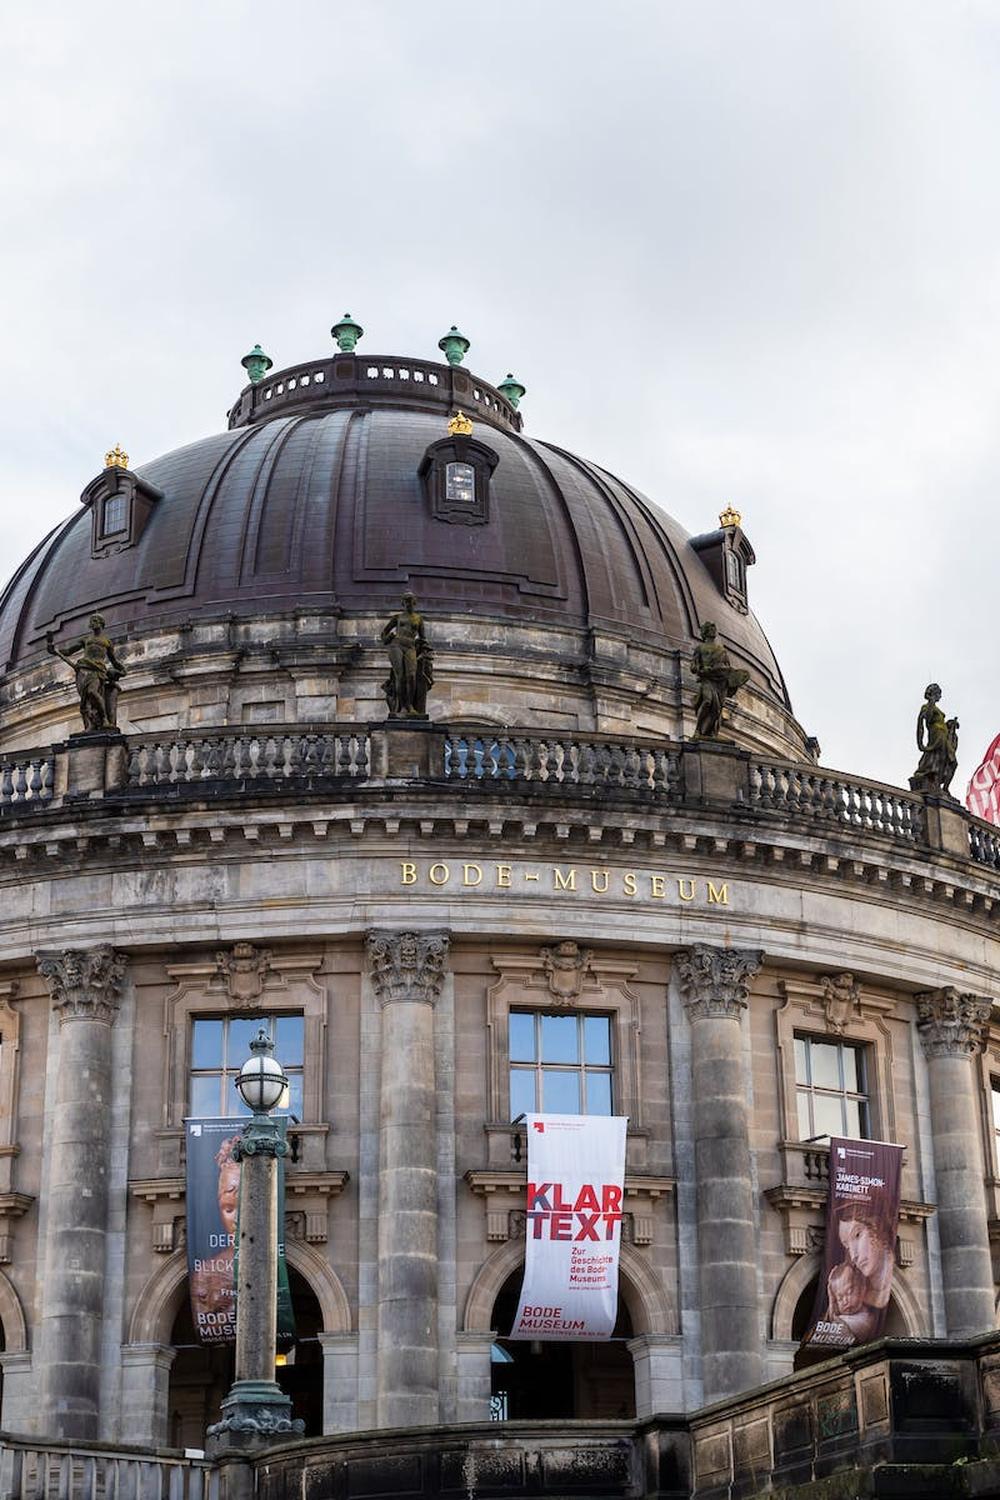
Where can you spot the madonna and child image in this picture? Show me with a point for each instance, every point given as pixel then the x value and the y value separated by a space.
pixel 858 1284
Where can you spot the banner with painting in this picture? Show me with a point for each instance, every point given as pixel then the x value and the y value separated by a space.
pixel 852 1300
pixel 573 1221
pixel 213 1199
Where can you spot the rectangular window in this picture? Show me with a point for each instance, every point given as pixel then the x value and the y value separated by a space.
pixel 219 1048
pixel 831 1086
pixel 113 515
pixel 995 1093
pixel 460 483
pixel 560 1063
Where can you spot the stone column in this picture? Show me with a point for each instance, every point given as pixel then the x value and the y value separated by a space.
pixel 407 970
pixel 952 1030
pixel 714 984
pixel 85 985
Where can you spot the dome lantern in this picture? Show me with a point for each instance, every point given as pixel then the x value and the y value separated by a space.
pixel 454 346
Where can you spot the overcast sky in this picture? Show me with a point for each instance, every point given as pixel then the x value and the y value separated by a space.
pixel 743 251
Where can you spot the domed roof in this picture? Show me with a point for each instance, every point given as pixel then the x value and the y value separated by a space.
pixel 313 500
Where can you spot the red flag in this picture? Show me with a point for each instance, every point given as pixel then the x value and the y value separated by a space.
pixel 983 796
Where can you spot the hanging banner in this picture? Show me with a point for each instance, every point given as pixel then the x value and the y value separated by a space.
pixel 983 794
pixel 573 1221
pixel 213 1199
pixel 862 1210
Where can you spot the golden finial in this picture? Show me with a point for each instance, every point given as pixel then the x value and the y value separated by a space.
pixel 460 425
pixel 117 458
pixel 730 517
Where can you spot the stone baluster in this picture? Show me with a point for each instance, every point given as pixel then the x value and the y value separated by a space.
pixel 407 972
pixel 85 986
pixel 714 984
pixel 952 1030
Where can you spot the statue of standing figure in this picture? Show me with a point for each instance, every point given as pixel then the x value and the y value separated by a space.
pixel 937 739
pixel 718 680
pixel 411 662
pixel 98 670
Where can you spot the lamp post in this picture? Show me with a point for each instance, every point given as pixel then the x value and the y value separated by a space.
pixel 256 1409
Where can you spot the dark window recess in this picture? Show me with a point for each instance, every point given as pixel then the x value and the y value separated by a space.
pixel 120 505
pixel 455 474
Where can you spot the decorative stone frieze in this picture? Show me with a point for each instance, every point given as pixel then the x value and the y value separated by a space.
pixel 951 1023
pixel 716 981
pixel 244 970
pixel 84 983
pixel 841 1000
pixel 407 966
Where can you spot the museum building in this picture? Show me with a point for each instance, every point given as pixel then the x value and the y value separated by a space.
pixel 546 894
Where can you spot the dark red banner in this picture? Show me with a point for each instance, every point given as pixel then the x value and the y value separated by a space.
pixel 862 1210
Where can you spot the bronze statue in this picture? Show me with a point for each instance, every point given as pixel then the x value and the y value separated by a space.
pixel 937 739
pixel 717 681
pixel 98 670
pixel 411 663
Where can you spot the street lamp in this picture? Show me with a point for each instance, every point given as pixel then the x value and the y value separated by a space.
pixel 256 1409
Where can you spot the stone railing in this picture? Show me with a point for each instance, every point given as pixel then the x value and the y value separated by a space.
pixel 27 779
pixel 32 1469
pixel 828 797
pixel 563 760
pixel 241 756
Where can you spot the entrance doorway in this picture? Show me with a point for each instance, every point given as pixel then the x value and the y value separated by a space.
pixel 201 1375
pixel 542 1379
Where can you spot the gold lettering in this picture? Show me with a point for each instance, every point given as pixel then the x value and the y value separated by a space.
pixel 437 878
pixel 687 895
pixel 503 876
pixel 407 872
pixel 656 885
pixel 629 885
pixel 718 897
pixel 594 876
pixel 467 871
pixel 564 882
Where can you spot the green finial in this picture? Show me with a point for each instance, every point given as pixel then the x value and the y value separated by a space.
pixel 256 364
pixel 454 346
pixel 347 333
pixel 512 389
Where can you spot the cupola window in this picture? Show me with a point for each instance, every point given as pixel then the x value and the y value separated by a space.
pixel 460 483
pixel 113 515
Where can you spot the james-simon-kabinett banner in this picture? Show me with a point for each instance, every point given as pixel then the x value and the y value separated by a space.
pixel 213 1200
pixel 576 1181
pixel 852 1300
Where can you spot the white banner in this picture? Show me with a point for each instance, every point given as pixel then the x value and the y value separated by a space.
pixel 576 1182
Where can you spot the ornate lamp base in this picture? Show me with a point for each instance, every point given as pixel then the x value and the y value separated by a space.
pixel 255 1414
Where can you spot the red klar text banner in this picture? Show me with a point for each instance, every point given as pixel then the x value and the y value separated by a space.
pixel 573 1218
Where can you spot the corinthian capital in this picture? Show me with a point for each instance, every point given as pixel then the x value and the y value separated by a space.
pixel 84 982
pixel 952 1024
pixel 716 981
pixel 407 965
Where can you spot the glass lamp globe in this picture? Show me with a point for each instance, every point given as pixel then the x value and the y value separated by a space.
pixel 261 1080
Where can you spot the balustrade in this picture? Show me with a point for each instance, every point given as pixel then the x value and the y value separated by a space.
pixel 246 757
pixel 826 796
pixel 28 780
pixel 567 762
pixel 34 1470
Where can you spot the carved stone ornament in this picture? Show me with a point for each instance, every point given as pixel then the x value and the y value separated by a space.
pixel 84 982
pixel 841 1000
pixel 244 971
pixel 716 981
pixel 407 965
pixel 567 967
pixel 952 1024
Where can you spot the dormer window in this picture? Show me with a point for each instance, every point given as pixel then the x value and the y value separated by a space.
pixel 727 554
pixel 456 478
pixel 460 483
pixel 120 504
